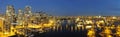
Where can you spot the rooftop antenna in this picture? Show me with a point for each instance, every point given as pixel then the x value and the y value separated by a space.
pixel 99 15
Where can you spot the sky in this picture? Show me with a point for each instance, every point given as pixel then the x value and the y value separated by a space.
pixel 67 7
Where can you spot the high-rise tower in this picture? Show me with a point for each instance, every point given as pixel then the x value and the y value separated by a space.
pixel 27 13
pixel 10 10
pixel 28 10
pixel 9 18
pixel 20 17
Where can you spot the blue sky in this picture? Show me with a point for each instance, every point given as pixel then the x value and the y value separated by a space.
pixel 67 7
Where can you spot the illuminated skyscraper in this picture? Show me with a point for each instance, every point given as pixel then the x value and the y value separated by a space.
pixel 28 10
pixel 10 13
pixel 20 17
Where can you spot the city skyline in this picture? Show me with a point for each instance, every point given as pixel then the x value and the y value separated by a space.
pixel 67 7
pixel 59 18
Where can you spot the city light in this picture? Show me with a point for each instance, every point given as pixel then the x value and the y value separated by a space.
pixel 25 22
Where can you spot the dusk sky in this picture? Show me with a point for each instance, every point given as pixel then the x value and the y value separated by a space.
pixel 67 7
